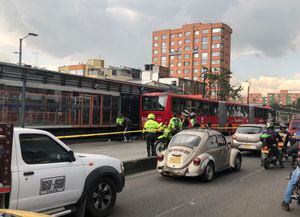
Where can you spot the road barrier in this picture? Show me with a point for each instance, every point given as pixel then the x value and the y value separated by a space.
pixel 127 132
pixel 139 165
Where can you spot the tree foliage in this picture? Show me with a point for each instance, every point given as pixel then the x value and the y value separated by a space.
pixel 224 90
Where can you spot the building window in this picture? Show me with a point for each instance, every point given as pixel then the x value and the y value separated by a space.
pixel 155 44
pixel 216 38
pixel 213 62
pixel 172 35
pixel 195 49
pixel 186 71
pixel 216 54
pixel 204 31
pixel 204 61
pixel 196 55
pixel 164 36
pixel 172 43
pixel 195 78
pixel 204 39
pixel 187 33
pixel 179 56
pixel 171 64
pixel 179 64
pixel 171 72
pixel 195 70
pixel 172 57
pixel 172 50
pixel 204 55
pixel 155 59
pixel 204 46
pixel 216 30
pixel 196 40
pixel 155 37
pixel 163 49
pixel 179 49
pixel 155 51
pixel 215 69
pixel 195 63
pixel 163 44
pixel 216 46
pixel 178 71
pixel 163 60
pixel 196 32
pixel 179 42
pixel 186 56
pixel 187 48
pixel 187 41
pixel 186 63
pixel 179 35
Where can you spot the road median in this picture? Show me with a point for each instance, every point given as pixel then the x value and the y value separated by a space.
pixel 139 165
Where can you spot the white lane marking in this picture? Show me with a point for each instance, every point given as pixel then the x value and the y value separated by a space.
pixel 192 202
pixel 141 174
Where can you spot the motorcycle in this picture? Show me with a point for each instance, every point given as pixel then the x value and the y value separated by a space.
pixel 269 156
pixel 162 142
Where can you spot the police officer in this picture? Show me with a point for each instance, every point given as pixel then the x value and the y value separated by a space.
pixel 174 125
pixel 193 120
pixel 150 128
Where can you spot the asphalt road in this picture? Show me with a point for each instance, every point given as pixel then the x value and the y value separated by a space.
pixel 251 192
pixel 123 151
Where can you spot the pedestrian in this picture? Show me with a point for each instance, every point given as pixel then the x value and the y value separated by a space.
pixel 121 125
pixel 149 131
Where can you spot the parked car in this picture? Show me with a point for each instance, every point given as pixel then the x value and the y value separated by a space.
pixel 198 152
pixel 294 126
pixel 247 137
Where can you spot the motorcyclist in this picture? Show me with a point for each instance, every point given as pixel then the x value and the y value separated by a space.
pixel 285 136
pixel 174 125
pixel 294 180
pixel 271 139
pixel 185 119
pixel 150 128
pixel 193 120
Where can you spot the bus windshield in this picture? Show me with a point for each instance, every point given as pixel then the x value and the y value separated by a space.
pixel 154 103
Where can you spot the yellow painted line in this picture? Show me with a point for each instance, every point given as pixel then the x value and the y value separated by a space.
pixel 97 134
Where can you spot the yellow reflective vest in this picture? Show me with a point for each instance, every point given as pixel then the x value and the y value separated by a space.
pixel 150 126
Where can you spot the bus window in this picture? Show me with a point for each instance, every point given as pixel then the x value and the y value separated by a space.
pixel 154 103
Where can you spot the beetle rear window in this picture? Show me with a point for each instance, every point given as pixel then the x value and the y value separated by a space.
pixel 185 140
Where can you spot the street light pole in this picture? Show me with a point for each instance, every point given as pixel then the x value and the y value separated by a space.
pixel 22 115
pixel 204 76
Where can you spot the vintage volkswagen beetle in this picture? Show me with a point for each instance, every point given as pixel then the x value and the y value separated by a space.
pixel 198 152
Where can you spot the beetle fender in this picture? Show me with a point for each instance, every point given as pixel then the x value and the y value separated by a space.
pixel 233 155
pixel 205 158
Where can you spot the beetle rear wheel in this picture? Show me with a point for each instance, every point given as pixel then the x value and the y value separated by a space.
pixel 209 172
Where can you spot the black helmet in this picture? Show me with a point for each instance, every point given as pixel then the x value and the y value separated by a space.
pixel 270 126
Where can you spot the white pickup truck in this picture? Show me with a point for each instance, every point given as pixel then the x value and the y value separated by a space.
pixel 47 176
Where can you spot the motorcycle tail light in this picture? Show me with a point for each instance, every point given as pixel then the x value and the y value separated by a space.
pixel 197 161
pixel 265 148
pixel 160 157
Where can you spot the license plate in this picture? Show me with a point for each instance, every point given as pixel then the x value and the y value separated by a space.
pixel 52 185
pixel 175 160
pixel 265 151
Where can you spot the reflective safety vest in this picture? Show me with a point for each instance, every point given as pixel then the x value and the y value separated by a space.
pixel 120 121
pixel 150 126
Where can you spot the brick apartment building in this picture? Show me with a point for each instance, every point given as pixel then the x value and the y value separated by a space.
pixel 187 50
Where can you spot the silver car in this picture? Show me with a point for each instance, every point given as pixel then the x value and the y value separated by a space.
pixel 247 137
pixel 198 152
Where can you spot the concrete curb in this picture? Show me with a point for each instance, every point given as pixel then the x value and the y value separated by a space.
pixel 139 165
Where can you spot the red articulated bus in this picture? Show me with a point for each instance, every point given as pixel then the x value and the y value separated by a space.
pixel 215 113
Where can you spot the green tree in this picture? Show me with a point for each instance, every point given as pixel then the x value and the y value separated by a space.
pixel 223 87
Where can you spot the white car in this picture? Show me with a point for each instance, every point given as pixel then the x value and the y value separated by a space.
pixel 48 177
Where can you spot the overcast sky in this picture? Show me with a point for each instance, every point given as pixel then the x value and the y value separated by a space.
pixel 265 39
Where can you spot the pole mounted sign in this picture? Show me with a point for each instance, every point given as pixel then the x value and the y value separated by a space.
pixel 6 135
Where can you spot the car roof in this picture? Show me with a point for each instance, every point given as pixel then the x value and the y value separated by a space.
pixel 252 125
pixel 27 130
pixel 200 132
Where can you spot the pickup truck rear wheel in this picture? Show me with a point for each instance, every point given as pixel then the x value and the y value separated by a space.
pixel 101 197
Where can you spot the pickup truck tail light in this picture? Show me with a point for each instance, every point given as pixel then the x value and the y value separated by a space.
pixel 160 157
pixel 197 161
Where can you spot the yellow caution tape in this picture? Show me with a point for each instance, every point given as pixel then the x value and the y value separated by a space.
pixel 117 133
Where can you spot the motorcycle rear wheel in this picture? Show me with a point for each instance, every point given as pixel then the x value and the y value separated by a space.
pixel 159 147
pixel 266 163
